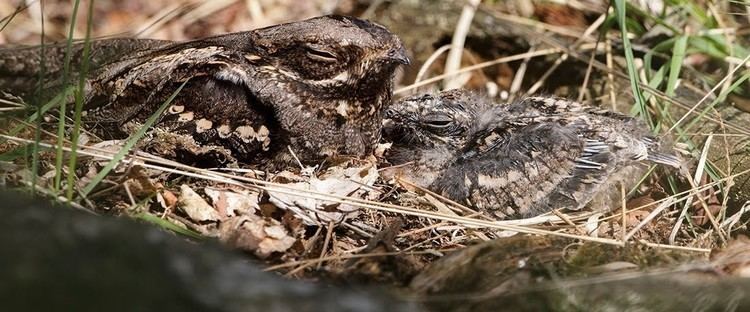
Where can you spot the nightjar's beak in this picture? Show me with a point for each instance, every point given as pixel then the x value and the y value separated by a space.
pixel 398 55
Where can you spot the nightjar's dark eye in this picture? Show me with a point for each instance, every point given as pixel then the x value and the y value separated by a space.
pixel 437 122
pixel 320 54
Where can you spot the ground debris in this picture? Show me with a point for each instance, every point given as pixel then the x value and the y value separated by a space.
pixel 312 209
pixel 255 234
pixel 231 204
pixel 195 206
pixel 291 222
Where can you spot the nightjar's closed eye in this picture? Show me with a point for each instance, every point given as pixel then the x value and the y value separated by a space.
pixel 319 54
pixel 437 121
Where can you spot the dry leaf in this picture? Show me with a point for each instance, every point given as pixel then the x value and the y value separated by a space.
pixel 195 206
pixel 646 204
pixel 337 181
pixel 170 199
pixel 255 234
pixel 231 204
pixel 440 206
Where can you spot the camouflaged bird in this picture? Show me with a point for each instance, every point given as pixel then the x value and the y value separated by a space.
pixel 521 159
pixel 316 87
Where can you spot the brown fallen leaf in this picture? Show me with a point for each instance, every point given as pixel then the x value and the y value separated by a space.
pixel 255 234
pixel 170 199
pixel 140 183
pixel 195 206
pixel 231 204
pixel 646 204
pixel 712 202
pixel 560 15
pixel 336 181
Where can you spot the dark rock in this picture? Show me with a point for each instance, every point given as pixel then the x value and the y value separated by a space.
pixel 532 273
pixel 55 257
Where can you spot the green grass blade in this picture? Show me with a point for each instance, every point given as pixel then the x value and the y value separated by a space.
pixel 708 45
pixel 630 60
pixel 131 141
pixel 37 102
pixel 639 12
pixel 719 99
pixel 655 81
pixel 79 104
pixel 63 105
pixel 45 108
pixel 167 225
pixel 678 55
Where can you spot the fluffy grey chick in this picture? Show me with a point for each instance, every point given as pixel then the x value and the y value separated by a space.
pixel 427 131
pixel 525 158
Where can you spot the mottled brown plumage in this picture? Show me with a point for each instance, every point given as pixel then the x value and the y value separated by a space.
pixel 429 130
pixel 521 159
pixel 316 87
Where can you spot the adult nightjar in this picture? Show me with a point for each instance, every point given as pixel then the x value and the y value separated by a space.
pixel 316 87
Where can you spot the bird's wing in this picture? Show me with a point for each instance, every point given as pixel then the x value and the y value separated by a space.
pixel 152 75
pixel 21 67
pixel 213 108
pixel 530 171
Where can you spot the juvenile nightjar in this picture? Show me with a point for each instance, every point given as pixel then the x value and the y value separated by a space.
pixel 520 159
pixel 316 87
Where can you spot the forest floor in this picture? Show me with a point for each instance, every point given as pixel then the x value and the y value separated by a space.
pixel 679 65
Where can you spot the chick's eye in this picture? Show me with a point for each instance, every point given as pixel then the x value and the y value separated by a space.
pixel 437 122
pixel 320 54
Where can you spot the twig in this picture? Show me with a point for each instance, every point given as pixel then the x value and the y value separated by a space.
pixel 689 200
pixel 338 257
pixel 708 94
pixel 284 189
pixel 624 205
pixel 329 235
pixel 651 216
pixel 501 60
pixel 539 83
pixel 453 61
pixel 426 65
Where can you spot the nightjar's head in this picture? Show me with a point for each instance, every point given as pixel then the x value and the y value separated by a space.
pixel 431 120
pixel 428 131
pixel 332 53
pixel 326 79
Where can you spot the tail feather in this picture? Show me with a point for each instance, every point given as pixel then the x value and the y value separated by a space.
pixel 664 158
